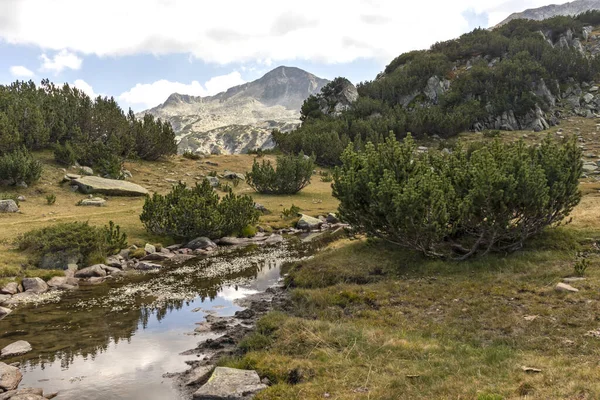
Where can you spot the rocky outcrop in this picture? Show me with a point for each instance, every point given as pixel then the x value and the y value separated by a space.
pixel 339 98
pixel 241 118
pixel 435 88
pixel 111 187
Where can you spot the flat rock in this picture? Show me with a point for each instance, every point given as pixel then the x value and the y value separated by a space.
pixel 563 287
pixel 57 281
pixel 146 266
pixel 111 187
pixel 230 383
pixel 8 206
pixel 200 375
pixel 200 243
pixel 93 202
pixel 95 271
pixel 10 288
pixel 10 377
pixel 307 223
pixel 19 298
pixel 274 238
pixel 35 285
pixel 15 349
pixel 158 257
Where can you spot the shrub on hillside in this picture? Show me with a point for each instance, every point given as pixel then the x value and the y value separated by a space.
pixel 491 197
pixel 187 213
pixel 292 174
pixel 65 154
pixel 19 166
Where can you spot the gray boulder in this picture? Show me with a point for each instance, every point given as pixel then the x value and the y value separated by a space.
pixel 111 187
pixel 34 285
pixel 25 394
pixel 93 202
pixel 157 257
pixel 213 180
pixel 308 223
pixel 10 377
pixel 233 175
pixel 230 383
pixel 95 271
pixel 201 243
pixel 60 259
pixel 146 266
pixel 332 218
pixel 199 375
pixel 86 171
pixel 10 288
pixel 17 348
pixel 8 206
pixel 150 249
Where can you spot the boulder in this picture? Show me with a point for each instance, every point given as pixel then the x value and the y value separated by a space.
pixel 70 177
pixel 21 198
pixel 563 287
pixel 308 223
pixel 332 218
pixel 150 249
pixel 28 396
pixel 93 202
pixel 86 171
pixel 17 348
pixel 260 207
pixel 199 375
pixel 35 285
pixel 230 383
pixel 115 261
pixel 10 377
pixel 57 281
pixel 60 259
pixel 201 243
pixel 274 239
pixel 95 271
pixel 8 206
pixel 4 312
pixel 10 288
pixel 112 270
pixel 111 187
pixel 234 175
pixel 213 180
pixel 19 298
pixel 24 394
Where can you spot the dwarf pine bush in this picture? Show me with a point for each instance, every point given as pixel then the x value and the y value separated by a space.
pixel 489 197
pixel 292 174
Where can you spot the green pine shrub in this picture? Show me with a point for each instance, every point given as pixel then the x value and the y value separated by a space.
pixel 65 154
pixel 191 156
pixel 114 238
pixel 292 174
pixel 187 213
pixel 491 197
pixel 50 199
pixel 19 166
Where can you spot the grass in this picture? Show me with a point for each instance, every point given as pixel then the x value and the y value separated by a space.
pixel 36 213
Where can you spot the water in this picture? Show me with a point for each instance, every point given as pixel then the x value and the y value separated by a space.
pixel 117 341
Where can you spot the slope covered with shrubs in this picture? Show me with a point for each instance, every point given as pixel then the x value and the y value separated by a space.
pixel 508 78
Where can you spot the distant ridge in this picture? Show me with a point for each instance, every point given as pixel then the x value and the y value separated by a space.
pixel 538 14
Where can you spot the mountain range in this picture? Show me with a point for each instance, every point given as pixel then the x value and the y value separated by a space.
pixel 552 10
pixel 243 117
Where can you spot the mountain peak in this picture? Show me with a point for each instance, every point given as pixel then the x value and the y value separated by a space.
pixel 573 8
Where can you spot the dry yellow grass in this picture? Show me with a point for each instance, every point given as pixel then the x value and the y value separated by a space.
pixel 36 213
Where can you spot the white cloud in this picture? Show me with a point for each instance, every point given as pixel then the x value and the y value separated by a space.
pixel 20 71
pixel 233 31
pixel 85 88
pixel 62 60
pixel 147 95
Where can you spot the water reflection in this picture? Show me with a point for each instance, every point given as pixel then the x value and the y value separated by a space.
pixel 116 341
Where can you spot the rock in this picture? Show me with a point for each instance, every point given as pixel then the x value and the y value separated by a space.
pixel 248 313
pixel 588 97
pixel 8 206
pixel 232 241
pixel 150 249
pixel 4 312
pixel 563 287
pixel 57 281
pixel 111 187
pixel 35 285
pixel 340 99
pixel 213 180
pixel 19 298
pixel 274 239
pixel 60 259
pixel 96 280
pixel 234 175
pixel 15 349
pixel 175 247
pixel 590 167
pixel 10 377
pixel 115 261
pixel 180 258
pixel 21 198
pixel 95 271
pixel 146 266
pixel 86 171
pixel 229 383
pixel 199 375
pixel 332 218
pixel 573 280
pixel 51 395
pixel 157 257
pixel 27 396
pixel 70 177
pixel 260 207
pixel 25 393
pixel 112 270
pixel 201 243
pixel 435 88
pixel 93 202
pixel 308 223
pixel 10 288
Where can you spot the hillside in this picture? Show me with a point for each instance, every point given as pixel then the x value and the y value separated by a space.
pixel 526 75
pixel 573 8
pixel 241 118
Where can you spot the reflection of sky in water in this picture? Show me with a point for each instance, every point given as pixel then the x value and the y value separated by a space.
pixel 133 369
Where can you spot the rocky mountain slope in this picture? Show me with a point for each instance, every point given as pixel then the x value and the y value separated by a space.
pixel 552 10
pixel 243 117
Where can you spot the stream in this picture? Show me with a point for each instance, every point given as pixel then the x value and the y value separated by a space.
pixel 116 341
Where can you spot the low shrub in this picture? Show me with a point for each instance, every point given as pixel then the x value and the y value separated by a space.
pixel 65 154
pixel 19 166
pixel 191 156
pixel 289 213
pixel 492 197
pixel 115 239
pixel 50 199
pixel 187 213
pixel 293 174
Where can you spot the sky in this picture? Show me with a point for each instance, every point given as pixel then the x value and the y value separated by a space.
pixel 141 51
